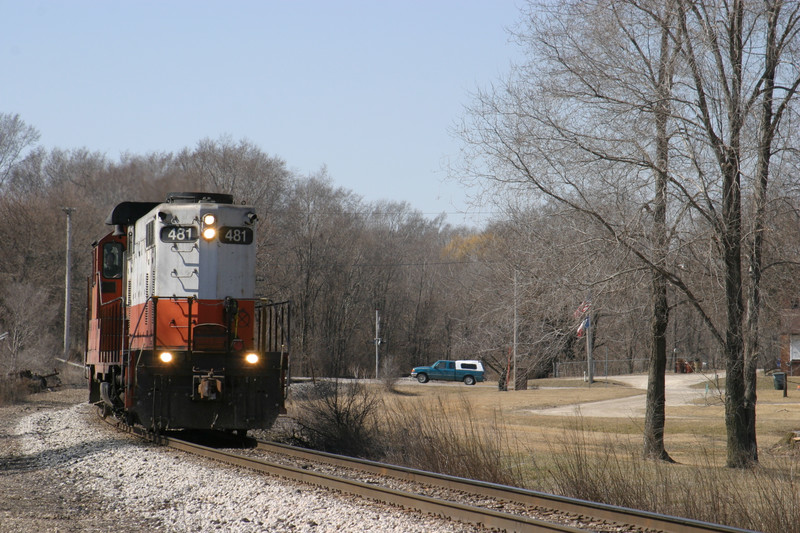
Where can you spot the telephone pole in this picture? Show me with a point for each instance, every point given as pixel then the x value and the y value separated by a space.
pixel 515 331
pixel 377 340
pixel 68 211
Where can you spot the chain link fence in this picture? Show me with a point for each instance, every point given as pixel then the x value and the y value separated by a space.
pixel 600 368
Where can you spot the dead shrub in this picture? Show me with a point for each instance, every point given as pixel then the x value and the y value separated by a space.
pixel 337 417
pixel 13 391
pixel 391 371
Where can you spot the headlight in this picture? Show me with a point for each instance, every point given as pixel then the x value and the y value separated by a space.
pixel 251 358
pixel 209 229
pixel 166 357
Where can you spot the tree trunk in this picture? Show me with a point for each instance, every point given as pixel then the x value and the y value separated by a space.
pixel 656 390
pixel 768 122
pixel 739 452
pixel 655 415
pixel 729 227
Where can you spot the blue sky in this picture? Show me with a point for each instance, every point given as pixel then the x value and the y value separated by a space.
pixel 368 88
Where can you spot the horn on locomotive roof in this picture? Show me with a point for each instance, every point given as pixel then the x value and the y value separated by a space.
pixel 199 197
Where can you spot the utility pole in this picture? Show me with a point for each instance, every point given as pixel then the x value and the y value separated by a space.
pixel 377 340
pixel 515 330
pixel 584 311
pixel 68 211
pixel 589 361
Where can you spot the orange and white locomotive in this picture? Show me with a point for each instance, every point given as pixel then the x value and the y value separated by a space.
pixel 175 335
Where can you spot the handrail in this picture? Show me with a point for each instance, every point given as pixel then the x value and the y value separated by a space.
pixel 191 330
pixel 274 335
pixel 99 281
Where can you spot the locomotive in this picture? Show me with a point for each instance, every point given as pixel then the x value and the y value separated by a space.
pixel 176 338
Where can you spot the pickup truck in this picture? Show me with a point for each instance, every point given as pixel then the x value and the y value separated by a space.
pixel 467 371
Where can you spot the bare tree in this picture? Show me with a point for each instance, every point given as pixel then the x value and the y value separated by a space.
pixel 30 341
pixel 316 256
pixel 622 97
pixel 735 51
pixel 15 138
pixel 777 92
pixel 238 168
pixel 587 123
pixel 319 245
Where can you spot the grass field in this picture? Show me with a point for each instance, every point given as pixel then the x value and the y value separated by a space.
pixel 503 437
pixel 688 427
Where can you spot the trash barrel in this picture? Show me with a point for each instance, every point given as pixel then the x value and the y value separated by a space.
pixel 779 380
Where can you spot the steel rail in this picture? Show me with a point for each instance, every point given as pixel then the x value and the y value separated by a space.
pixel 465 513
pixel 528 498
pixel 473 515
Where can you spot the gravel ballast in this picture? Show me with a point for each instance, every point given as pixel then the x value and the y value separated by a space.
pixel 61 469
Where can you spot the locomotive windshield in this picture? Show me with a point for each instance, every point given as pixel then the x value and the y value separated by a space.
pixel 112 260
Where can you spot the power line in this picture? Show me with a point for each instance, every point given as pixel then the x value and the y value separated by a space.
pixel 394 213
pixel 379 265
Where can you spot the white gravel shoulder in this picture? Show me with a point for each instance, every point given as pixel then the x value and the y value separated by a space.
pixel 167 490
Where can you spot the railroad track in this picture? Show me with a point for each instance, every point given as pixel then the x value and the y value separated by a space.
pixel 501 508
pixel 521 497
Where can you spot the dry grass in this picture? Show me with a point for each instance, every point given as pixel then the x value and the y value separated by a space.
pixel 13 391
pixel 687 427
pixel 600 458
pixel 445 437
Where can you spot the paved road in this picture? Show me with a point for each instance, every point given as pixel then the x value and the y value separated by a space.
pixel 679 392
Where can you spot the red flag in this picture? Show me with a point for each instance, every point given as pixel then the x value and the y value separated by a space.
pixel 582 309
pixel 583 327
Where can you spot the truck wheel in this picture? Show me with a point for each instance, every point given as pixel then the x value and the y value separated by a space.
pixel 469 380
pixel 422 378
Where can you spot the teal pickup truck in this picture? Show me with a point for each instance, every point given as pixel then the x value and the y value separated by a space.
pixel 467 371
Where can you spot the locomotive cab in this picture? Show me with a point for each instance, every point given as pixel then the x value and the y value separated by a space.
pixel 177 338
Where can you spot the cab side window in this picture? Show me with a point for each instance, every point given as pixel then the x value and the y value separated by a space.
pixel 112 260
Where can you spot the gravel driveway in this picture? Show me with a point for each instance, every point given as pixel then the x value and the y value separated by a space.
pixel 681 389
